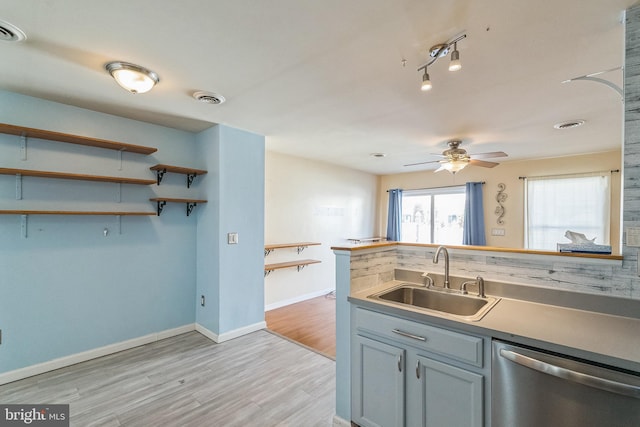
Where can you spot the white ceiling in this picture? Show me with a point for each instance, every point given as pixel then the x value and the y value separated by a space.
pixel 325 80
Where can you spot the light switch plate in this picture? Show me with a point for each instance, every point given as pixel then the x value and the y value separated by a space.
pixel 497 231
pixel 232 238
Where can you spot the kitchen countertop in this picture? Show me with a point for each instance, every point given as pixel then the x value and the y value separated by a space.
pixel 603 337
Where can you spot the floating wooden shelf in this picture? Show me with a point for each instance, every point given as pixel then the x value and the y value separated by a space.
pixel 299 245
pixel 75 176
pixel 47 212
pixel 74 139
pixel 300 264
pixel 189 172
pixel 162 201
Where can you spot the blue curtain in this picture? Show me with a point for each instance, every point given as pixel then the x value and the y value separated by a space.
pixel 473 215
pixel 394 219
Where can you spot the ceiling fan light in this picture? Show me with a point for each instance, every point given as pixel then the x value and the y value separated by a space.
pixel 133 78
pixel 426 82
pixel 454 165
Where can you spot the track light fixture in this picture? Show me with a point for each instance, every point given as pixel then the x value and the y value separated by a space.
pixel 439 51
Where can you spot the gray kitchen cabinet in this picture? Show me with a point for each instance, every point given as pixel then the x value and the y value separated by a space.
pixel 407 373
pixel 379 378
pixel 445 396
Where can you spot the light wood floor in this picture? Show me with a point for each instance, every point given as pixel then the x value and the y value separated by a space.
pixel 256 380
pixel 311 323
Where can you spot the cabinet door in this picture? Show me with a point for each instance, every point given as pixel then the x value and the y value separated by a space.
pixel 449 396
pixel 378 384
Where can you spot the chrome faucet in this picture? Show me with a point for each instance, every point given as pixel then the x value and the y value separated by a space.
pixel 428 280
pixel 446 263
pixel 479 281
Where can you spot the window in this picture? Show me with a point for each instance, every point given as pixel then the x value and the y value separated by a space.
pixel 555 204
pixel 433 216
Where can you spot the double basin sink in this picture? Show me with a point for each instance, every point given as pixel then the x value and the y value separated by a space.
pixel 440 300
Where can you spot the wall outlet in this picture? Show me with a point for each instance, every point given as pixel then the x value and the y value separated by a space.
pixel 497 231
pixel 633 236
pixel 232 238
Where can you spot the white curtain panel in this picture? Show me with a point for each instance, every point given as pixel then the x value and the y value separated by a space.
pixel 555 204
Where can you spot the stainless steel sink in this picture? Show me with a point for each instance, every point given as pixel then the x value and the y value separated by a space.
pixel 466 307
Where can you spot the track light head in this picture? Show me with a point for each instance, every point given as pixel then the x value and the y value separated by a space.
pixel 455 64
pixel 426 82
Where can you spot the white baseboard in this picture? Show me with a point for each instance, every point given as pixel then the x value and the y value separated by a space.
pixel 299 298
pixel 72 359
pixel 340 422
pixel 226 336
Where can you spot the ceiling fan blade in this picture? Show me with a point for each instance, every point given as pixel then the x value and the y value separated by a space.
pixel 423 163
pixel 489 155
pixel 483 164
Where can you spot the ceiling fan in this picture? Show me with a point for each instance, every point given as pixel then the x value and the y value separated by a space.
pixel 456 159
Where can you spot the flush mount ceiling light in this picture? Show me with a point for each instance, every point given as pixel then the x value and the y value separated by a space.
pixel 439 51
pixel 11 33
pixel 134 78
pixel 209 97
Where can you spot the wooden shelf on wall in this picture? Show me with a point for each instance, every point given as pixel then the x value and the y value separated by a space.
pixel 299 264
pixel 75 176
pixel 74 139
pixel 189 172
pixel 162 201
pixel 52 212
pixel 299 245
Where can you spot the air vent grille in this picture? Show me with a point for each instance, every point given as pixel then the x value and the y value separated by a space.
pixel 569 124
pixel 209 97
pixel 10 33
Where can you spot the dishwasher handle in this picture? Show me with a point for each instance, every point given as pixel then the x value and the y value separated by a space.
pixel 571 375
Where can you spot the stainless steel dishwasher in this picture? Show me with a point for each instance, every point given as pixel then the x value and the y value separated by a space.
pixel 534 388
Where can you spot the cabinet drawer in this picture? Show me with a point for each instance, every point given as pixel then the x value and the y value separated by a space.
pixel 462 347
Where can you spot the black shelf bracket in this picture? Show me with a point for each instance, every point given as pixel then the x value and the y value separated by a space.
pixel 267 251
pixel 190 206
pixel 190 178
pixel 266 272
pixel 161 205
pixel 160 173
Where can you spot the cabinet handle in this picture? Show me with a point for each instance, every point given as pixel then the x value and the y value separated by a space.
pixel 418 369
pixel 400 363
pixel 408 335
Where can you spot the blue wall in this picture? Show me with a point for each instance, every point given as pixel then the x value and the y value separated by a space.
pixel 231 276
pixel 67 288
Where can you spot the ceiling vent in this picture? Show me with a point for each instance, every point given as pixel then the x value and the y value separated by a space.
pixel 11 33
pixel 209 97
pixel 568 125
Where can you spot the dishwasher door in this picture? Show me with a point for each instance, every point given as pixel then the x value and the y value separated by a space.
pixel 532 388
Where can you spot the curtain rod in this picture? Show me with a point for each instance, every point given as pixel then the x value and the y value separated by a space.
pixel 567 174
pixel 432 188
